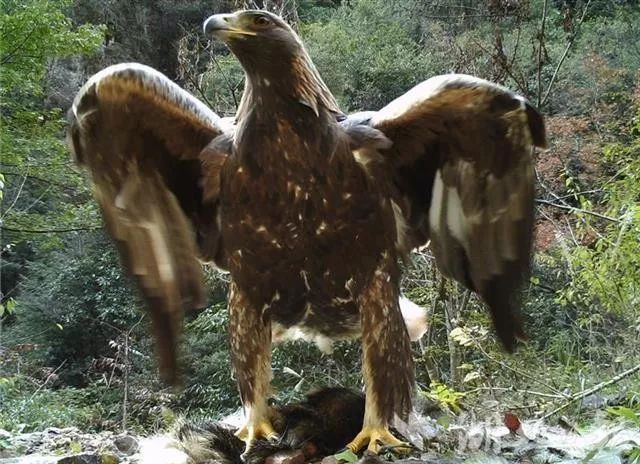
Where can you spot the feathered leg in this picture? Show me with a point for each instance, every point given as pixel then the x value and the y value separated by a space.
pixel 250 334
pixel 387 362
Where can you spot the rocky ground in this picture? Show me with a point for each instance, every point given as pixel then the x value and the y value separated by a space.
pixel 67 446
pixel 529 442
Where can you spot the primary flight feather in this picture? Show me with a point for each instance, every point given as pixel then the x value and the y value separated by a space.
pixel 309 209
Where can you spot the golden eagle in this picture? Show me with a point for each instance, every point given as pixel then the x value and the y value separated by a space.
pixel 309 209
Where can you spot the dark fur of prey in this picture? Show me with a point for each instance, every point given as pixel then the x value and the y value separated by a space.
pixel 320 425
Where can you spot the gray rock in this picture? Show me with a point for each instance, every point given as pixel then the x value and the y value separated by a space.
pixel 329 460
pixel 81 459
pixel 31 459
pixel 127 444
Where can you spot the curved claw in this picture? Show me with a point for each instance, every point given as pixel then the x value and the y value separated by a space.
pixel 251 432
pixel 377 438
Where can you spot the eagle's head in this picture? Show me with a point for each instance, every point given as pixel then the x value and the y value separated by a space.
pixel 262 41
pixel 273 57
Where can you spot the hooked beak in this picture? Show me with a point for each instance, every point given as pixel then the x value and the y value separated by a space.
pixel 224 26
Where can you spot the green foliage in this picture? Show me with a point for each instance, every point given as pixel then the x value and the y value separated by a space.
pixel 346 456
pixel 33 32
pixel 7 308
pixel 609 270
pixel 625 413
pixel 209 388
pixel 447 398
pixel 25 407
pixel 40 188
pixel 633 456
pixel 223 84
pixel 365 55
pixel 72 305
pixel 599 70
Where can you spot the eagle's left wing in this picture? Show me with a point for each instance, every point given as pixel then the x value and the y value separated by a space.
pixel 460 174
pixel 155 155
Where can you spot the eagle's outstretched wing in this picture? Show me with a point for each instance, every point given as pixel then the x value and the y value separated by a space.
pixel 154 153
pixel 461 161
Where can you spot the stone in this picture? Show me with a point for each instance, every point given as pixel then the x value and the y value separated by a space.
pixel 127 444
pixel 30 459
pixel 80 459
pixel 329 460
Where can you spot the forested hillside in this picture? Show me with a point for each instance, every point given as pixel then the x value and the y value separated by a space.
pixel 75 345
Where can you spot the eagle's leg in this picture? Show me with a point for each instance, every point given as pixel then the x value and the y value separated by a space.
pixel 387 363
pixel 250 336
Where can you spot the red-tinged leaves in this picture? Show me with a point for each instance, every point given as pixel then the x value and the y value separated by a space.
pixel 512 422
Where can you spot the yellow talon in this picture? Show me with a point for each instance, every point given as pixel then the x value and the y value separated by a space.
pixel 251 432
pixel 377 437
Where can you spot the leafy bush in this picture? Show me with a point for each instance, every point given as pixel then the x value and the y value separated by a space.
pixel 74 303
pixel 25 407
pixel 365 56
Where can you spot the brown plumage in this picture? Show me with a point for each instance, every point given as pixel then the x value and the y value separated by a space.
pixel 309 209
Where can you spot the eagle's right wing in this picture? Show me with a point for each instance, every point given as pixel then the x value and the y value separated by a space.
pixel 458 160
pixel 155 154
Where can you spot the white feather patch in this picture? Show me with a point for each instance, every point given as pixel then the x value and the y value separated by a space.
pixel 160 251
pixel 161 449
pixel 415 318
pixel 435 209
pixel 456 220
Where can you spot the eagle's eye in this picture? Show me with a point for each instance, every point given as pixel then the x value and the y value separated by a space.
pixel 261 21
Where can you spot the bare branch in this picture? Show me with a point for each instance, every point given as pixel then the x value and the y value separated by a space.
pixel 51 231
pixel 564 55
pixel 578 210
pixel 540 46
pixel 592 390
pixel 15 200
pixel 516 371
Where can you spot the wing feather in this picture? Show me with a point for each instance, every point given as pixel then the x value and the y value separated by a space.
pixel 462 166
pixel 153 154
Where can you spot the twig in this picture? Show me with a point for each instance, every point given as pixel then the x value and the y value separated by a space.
pixel 578 210
pixel 24 179
pixel 564 55
pixel 227 81
pixel 6 59
pixel 590 391
pixel 125 399
pixel 516 371
pixel 582 192
pixel 47 380
pixel 517 390
pixel 505 67
pixel 51 231
pixel 465 16
pixel 38 179
pixel 540 46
